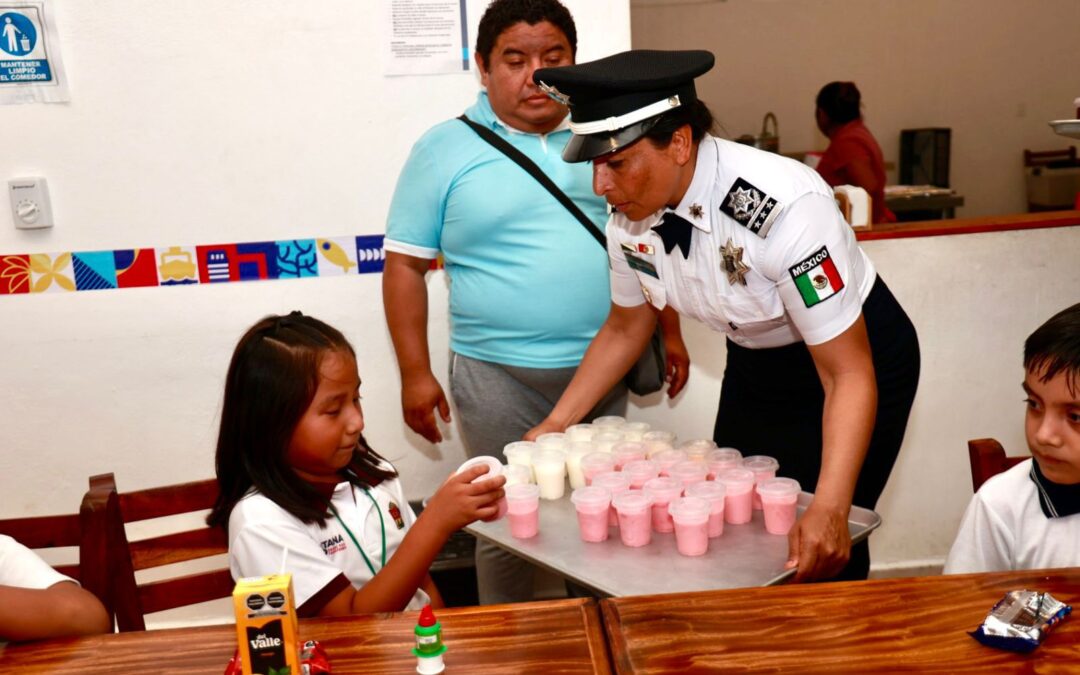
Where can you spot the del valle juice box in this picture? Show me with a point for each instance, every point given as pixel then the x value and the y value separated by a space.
pixel 266 625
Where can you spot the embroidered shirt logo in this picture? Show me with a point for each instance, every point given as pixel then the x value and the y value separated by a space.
pixel 335 544
pixel 395 513
pixel 816 277
pixel 751 207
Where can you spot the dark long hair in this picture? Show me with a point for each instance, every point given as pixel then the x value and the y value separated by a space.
pixel 697 115
pixel 1054 348
pixel 840 101
pixel 271 381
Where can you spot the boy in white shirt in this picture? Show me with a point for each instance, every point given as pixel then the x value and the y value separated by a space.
pixel 37 602
pixel 1029 516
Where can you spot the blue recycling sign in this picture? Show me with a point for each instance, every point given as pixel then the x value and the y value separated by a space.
pixel 23 57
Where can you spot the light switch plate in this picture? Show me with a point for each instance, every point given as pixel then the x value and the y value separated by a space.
pixel 30 207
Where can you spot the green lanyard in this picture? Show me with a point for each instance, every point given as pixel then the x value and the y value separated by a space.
pixel 382 527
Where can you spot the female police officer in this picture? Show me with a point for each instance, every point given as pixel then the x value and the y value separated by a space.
pixel 752 244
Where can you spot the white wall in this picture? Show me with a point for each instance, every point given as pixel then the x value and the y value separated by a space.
pixel 995 71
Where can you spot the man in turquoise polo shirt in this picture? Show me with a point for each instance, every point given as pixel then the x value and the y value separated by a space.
pixel 528 285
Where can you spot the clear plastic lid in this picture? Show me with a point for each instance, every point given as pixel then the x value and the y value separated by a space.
pixel 591 496
pixel 669 458
pixel 631 501
pixel 736 478
pixel 779 488
pixel 659 435
pixel 522 492
pixel 663 488
pixel 688 468
pixel 609 421
pixel 641 468
pixel 495 467
pixel 760 463
pixel 615 481
pixel 707 489
pixel 692 509
pixel 517 474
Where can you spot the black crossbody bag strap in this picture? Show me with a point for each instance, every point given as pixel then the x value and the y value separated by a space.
pixel 524 162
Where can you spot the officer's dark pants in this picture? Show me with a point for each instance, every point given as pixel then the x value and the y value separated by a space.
pixel 771 404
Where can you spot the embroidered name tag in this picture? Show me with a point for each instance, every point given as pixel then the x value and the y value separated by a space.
pixel 816 277
pixel 751 207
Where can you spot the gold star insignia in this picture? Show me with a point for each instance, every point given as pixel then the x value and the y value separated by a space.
pixel 696 210
pixel 732 263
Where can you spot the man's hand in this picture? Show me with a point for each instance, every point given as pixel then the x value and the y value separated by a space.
pixel 420 397
pixel 544 427
pixel 677 364
pixel 819 544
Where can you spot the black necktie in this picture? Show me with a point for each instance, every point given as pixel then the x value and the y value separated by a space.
pixel 674 229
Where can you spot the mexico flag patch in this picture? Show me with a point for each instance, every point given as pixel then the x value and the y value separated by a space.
pixel 816 277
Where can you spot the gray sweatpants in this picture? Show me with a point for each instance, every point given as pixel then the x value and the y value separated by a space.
pixel 496 404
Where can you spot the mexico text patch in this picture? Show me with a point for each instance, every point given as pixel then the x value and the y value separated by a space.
pixel 816 277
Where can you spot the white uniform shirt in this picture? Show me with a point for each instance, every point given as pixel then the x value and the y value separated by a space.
pixel 260 531
pixel 1004 529
pixel 22 568
pixel 807 276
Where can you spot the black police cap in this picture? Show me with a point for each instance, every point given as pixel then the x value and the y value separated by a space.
pixel 615 100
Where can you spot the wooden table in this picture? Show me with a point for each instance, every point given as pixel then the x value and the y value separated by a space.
pixel 915 624
pixel 560 636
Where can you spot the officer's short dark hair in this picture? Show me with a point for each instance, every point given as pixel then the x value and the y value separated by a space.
pixel 1054 348
pixel 697 115
pixel 841 102
pixel 502 14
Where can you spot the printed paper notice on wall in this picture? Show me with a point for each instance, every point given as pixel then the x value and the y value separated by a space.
pixel 425 37
pixel 30 67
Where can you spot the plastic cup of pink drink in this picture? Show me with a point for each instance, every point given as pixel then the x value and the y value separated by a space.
pixel 523 510
pixel 593 506
pixel 739 486
pixel 697 449
pixel 627 451
pixel 763 468
pixel 714 493
pixel 662 491
pixel 666 459
pixel 721 460
pixel 689 472
pixel 640 470
pixel 594 463
pixel 634 509
pixel 616 482
pixel 779 497
pixel 691 516
pixel 495 468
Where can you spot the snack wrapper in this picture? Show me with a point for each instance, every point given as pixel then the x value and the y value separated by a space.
pixel 1020 621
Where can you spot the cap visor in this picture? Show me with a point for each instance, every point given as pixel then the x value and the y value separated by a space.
pixel 585 148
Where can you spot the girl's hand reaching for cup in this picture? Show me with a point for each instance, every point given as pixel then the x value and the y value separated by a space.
pixel 460 501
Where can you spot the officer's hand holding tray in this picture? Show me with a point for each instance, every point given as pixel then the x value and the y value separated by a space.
pixel 751 244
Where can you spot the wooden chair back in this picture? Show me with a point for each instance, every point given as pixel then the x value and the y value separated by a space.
pixel 85 530
pixel 133 600
pixel 988 459
pixel 1066 157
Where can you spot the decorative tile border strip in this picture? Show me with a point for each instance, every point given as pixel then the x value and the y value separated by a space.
pixel 190 265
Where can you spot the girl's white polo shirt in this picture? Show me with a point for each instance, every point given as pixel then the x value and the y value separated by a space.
pixel 260 531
